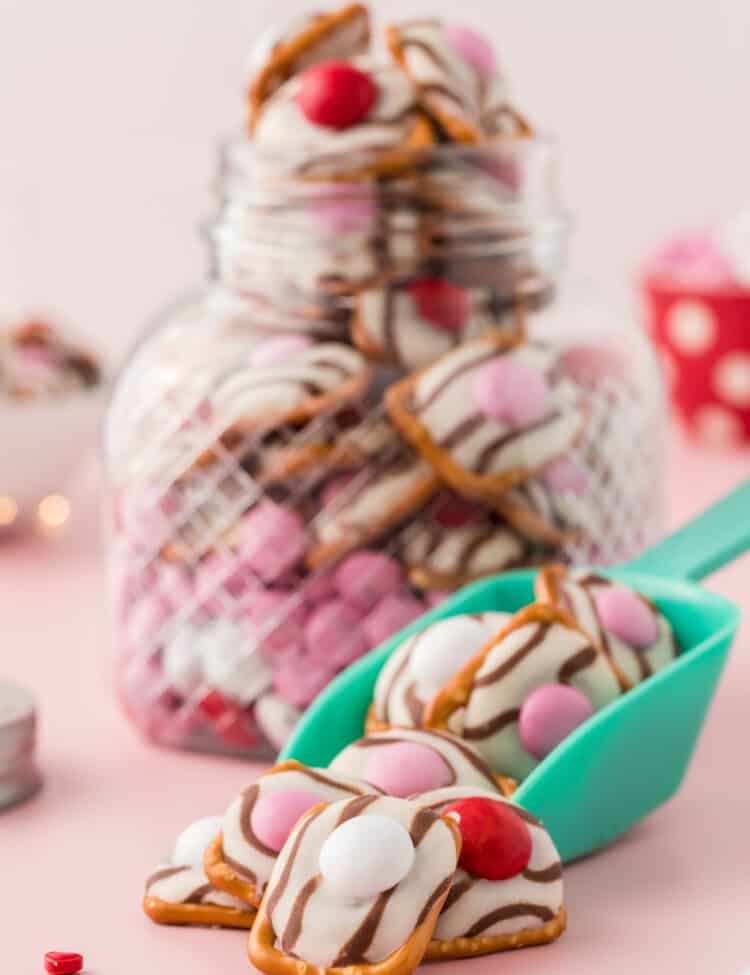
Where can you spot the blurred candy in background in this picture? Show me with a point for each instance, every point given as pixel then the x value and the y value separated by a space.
pixel 697 290
pixel 51 397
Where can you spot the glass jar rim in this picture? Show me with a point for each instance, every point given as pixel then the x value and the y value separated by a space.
pixel 240 158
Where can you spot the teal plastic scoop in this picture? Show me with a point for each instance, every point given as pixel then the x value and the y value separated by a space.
pixel 631 756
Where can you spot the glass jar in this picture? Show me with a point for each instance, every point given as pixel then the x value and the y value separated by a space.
pixel 270 522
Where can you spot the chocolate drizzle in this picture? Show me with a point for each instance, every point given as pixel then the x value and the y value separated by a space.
pixel 457 94
pixel 293 929
pixel 525 815
pixel 537 636
pixel 492 726
pixel 354 807
pixel 472 757
pixel 591 581
pixel 457 891
pixel 383 705
pixel 441 387
pixel 420 825
pixel 390 343
pixel 434 897
pixel 465 429
pixel 521 909
pixel 280 888
pixel 240 869
pixel 414 705
pixel 249 799
pixel 164 874
pixel 196 897
pixel 545 876
pixel 354 949
pixel 487 456
pixel 579 661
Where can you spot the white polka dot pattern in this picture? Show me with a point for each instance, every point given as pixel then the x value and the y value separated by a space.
pixel 717 426
pixel 691 326
pixel 731 379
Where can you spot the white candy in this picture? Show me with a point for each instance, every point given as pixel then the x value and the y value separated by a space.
pixel 276 719
pixel 448 646
pixel 181 660
pixel 365 856
pixel 232 663
pixel 192 842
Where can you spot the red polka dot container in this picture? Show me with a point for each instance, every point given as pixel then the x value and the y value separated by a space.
pixel 698 314
pixel 271 521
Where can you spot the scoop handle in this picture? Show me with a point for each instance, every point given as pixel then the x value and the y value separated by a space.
pixel 711 540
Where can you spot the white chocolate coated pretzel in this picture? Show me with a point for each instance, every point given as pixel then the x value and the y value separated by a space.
pixel 312 923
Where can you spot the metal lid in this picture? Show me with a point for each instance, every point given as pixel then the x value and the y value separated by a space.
pixel 19 776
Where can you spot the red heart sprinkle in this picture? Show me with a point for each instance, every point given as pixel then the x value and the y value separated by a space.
pixel 496 841
pixel 440 302
pixel 63 962
pixel 336 95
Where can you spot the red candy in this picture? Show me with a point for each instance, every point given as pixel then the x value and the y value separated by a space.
pixel 440 302
pixel 231 722
pixel 214 705
pixel 335 94
pixel 455 513
pixel 63 962
pixel 237 729
pixel 496 841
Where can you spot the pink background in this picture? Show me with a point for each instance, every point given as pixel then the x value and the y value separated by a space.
pixel 110 113
pixel 670 897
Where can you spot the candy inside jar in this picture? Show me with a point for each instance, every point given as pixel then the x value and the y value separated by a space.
pixel 367 407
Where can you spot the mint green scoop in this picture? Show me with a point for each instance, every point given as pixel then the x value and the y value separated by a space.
pixel 629 757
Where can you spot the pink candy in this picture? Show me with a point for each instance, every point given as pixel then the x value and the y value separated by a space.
pixel 511 392
pixel 333 635
pixel 273 539
pixel 588 365
pixel 343 208
pixel 278 616
pixel 406 768
pixel 299 681
pixel 319 587
pixel 280 348
pixel 334 488
pixel 563 476
pixel 471 46
pixel 549 714
pixel 227 572
pixel 275 815
pixel 627 616
pixel 392 614
pixel 366 577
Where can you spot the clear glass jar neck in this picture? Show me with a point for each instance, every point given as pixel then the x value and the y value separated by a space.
pixel 453 211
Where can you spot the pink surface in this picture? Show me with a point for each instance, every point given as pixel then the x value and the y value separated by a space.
pixel 670 897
